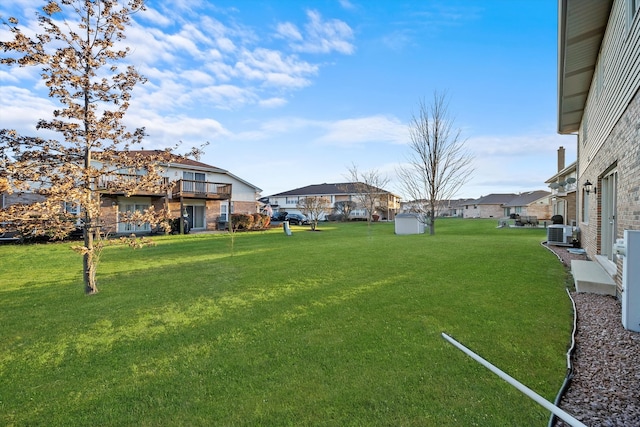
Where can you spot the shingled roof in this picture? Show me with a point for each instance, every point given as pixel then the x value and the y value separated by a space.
pixel 525 199
pixel 174 158
pixel 326 189
pixel 171 158
pixel 495 199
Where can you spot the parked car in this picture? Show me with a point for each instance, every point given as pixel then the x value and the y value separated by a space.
pixel 278 216
pixel 296 219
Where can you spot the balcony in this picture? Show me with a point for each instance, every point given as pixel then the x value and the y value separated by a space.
pixel 132 185
pixel 201 190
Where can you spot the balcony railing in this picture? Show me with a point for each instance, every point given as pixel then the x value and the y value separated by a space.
pixel 124 183
pixel 201 189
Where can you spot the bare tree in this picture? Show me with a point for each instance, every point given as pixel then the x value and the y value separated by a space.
pixel 343 208
pixel 314 207
pixel 368 187
pixel 78 59
pixel 438 164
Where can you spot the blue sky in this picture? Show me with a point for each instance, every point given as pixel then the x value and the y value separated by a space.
pixel 292 93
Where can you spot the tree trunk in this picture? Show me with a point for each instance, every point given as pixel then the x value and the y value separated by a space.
pixel 432 221
pixel 89 263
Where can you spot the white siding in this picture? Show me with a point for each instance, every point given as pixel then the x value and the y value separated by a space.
pixel 615 82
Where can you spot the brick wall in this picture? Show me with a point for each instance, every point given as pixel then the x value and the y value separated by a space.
pixel 540 210
pixel 245 207
pixel 109 214
pixel 572 215
pixel 621 151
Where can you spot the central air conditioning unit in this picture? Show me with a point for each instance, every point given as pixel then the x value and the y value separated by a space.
pixel 560 235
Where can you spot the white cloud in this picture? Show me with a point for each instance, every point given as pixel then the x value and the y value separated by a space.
pixel 527 145
pixel 222 71
pixel 167 131
pixel 271 67
pixel 327 36
pixel 319 36
pixel 272 102
pixel 346 4
pixel 22 109
pixel 366 129
pixel 228 96
pixel 287 30
pixel 155 17
pixel 197 77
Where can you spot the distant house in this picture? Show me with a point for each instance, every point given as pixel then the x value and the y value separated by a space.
pixel 203 194
pixel 530 203
pixel 444 208
pixel 490 206
pixel 288 201
pixel 563 190
pixel 199 193
pixel 599 101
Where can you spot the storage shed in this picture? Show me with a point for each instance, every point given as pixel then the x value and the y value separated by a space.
pixel 409 223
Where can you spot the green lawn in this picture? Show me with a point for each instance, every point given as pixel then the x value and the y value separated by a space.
pixel 338 327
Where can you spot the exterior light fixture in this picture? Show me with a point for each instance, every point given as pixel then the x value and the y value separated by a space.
pixel 588 186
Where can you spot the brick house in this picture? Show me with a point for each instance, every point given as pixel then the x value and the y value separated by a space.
pixel 501 205
pixel 489 206
pixel 201 194
pixel 599 101
pixel 530 203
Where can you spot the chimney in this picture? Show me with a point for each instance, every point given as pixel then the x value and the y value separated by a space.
pixel 560 158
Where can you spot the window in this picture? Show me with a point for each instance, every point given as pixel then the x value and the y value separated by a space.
pixel 71 208
pixel 292 200
pixel 223 211
pixel 130 208
pixel 194 182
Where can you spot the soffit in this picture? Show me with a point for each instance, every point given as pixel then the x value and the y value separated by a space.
pixel 581 28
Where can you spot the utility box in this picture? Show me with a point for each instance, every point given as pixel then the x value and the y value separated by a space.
pixel 629 249
pixel 409 223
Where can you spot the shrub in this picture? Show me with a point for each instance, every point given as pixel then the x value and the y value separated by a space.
pixel 241 221
pixel 247 222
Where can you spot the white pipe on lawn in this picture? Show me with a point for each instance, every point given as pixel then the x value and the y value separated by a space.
pixel 523 388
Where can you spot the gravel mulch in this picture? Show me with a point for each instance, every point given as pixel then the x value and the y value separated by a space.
pixel 605 386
